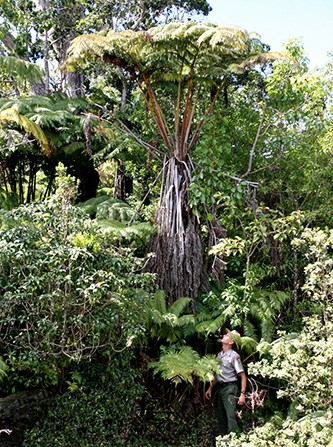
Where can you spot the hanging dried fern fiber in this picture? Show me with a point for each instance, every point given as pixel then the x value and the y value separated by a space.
pixel 177 245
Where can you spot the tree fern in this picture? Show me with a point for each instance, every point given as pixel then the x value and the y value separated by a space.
pixel 169 59
pixel 90 205
pixel 255 314
pixel 265 307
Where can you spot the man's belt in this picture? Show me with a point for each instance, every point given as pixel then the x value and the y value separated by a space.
pixel 222 384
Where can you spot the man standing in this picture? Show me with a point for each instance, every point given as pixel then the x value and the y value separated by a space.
pixel 227 394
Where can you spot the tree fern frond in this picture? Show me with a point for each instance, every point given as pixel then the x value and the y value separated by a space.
pixel 267 328
pixel 178 306
pixel 159 301
pixel 186 320
pixel 90 205
pixel 247 344
pixel 182 364
pixel 20 68
pixel 231 38
pixel 249 329
pixel 257 59
pixel 70 104
pixel 47 118
pixel 115 209
pixel 26 104
pixel 212 326
pixel 12 116
pixel 87 46
pixel 120 231
pixel 198 29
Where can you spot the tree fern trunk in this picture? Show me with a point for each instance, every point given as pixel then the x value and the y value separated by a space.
pixel 177 245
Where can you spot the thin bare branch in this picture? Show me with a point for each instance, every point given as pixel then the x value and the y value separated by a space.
pixel 255 142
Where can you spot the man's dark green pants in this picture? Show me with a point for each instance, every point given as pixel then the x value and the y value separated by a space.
pixel 227 395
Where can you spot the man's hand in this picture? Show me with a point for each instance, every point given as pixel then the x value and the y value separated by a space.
pixel 241 399
pixel 208 393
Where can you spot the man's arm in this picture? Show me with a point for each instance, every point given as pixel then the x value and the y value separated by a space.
pixel 241 400
pixel 208 393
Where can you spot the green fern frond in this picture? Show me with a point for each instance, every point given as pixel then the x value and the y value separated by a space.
pixel 121 231
pixel 198 29
pixel 246 344
pixel 46 117
pixel 231 38
pixel 20 68
pixel 257 59
pixel 166 322
pixel 70 104
pixel 110 226
pixel 87 46
pixel 249 329
pixel 212 326
pixel 26 104
pixel 159 302
pixel 182 364
pixel 178 306
pixel 267 328
pixel 90 205
pixel 12 116
pixel 114 209
pixel 187 320
pixel 158 319
pixel 3 369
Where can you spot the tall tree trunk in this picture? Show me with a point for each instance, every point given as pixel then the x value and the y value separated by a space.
pixel 177 244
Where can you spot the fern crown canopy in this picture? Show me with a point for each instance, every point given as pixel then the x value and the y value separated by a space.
pixel 170 48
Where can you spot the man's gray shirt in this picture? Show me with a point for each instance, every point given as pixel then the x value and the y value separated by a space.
pixel 230 366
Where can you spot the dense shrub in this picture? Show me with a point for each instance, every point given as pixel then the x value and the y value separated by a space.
pixel 301 363
pixel 110 405
pixel 65 291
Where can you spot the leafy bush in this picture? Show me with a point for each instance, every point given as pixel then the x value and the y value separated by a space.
pixel 92 415
pixel 314 431
pixel 301 362
pixel 65 290
pixel 112 407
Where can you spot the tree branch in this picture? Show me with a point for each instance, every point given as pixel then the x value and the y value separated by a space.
pixel 249 168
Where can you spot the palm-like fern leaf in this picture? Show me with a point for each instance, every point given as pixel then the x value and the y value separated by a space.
pixel 50 118
pixel 183 43
pixel 184 364
pixel 114 209
pixel 178 306
pixel 26 104
pixel 176 55
pixel 20 68
pixel 167 322
pixel 120 231
pixel 212 326
pixel 12 116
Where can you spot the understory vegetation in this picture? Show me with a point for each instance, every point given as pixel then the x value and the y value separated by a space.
pixel 162 180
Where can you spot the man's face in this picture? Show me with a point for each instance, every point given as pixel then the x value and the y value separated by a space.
pixel 226 340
